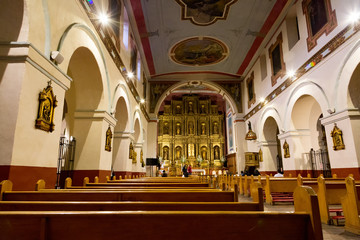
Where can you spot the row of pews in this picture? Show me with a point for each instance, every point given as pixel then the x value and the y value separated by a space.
pixel 338 198
pixel 153 208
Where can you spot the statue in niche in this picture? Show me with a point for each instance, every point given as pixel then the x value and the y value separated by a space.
pixel 166 153
pixel 202 109
pixel 108 140
pixel 166 128
pixel 203 128
pixel 191 128
pixel 337 137
pixel 178 109
pixel 216 128
pixel 131 150
pixel 286 150
pixel 178 153
pixel 47 104
pixel 191 107
pixel 204 153
pixel 216 153
pixel 178 128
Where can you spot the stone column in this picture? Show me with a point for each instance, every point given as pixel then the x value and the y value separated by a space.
pixel 121 161
pixel 240 145
pixel 299 144
pixel 152 138
pixel 269 149
pixel 346 161
pixel 91 159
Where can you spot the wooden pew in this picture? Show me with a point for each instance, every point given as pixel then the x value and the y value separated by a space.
pixel 152 196
pixel 279 189
pixel 303 224
pixel 351 206
pixel 129 206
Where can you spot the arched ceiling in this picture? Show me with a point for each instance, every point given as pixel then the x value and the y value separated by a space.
pixel 203 39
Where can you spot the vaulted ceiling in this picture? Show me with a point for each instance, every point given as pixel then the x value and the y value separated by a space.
pixel 203 39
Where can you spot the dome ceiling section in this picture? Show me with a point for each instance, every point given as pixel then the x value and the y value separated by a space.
pixel 238 31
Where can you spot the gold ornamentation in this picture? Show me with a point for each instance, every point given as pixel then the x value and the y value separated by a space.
pixel 338 141
pixel 261 155
pixel 142 158
pixel 166 153
pixel 108 140
pixel 134 156
pixel 131 150
pixel 286 150
pixel 47 104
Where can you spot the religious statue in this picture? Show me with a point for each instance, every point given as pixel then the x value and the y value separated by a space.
pixel 286 150
pixel 216 153
pixel 47 104
pixel 260 155
pixel 166 128
pixel 336 135
pixel 216 128
pixel 202 109
pixel 178 129
pixel 177 152
pixel 204 153
pixel 134 156
pixel 178 109
pixel 191 110
pixel 142 158
pixel 166 153
pixel 191 128
pixel 203 128
pixel 108 140
pixel 131 150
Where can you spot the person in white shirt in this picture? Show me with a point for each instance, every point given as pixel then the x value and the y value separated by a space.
pixel 279 174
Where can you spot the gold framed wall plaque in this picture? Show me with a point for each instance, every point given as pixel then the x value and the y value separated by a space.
pixel 337 137
pixel 108 140
pixel 47 104
pixel 286 150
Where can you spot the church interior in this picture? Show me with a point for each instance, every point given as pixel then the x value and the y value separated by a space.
pixel 131 89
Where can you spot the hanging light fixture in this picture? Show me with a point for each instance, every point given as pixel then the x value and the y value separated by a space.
pixel 250 135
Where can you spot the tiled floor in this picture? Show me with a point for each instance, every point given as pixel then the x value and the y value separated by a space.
pixel 330 232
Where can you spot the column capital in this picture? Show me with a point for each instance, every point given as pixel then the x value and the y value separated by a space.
pixel 351 113
pixel 294 133
pixel 97 115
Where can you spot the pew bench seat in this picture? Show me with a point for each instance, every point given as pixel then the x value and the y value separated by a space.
pixel 129 206
pixel 141 225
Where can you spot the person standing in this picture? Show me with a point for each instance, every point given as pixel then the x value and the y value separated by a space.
pixel 189 170
pixel 185 172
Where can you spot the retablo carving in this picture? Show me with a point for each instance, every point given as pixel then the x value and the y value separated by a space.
pixel 286 150
pixel 47 104
pixel 337 137
pixel 108 140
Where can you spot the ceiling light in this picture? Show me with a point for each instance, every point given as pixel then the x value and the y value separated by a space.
pixel 262 100
pixel 104 19
pixel 130 75
pixel 291 74
pixel 142 101
pixel 354 17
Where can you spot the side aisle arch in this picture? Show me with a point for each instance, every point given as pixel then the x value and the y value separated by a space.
pixel 69 49
pixel 268 112
pixel 348 66
pixel 305 88
pixel 121 92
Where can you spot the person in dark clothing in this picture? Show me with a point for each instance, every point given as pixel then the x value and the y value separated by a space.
pixel 164 174
pixel 185 171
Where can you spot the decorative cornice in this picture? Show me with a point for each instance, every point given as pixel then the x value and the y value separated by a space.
pixel 318 57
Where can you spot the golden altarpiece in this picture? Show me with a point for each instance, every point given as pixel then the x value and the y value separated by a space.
pixel 191 132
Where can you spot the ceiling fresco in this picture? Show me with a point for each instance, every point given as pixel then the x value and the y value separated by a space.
pixel 199 51
pixel 205 12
